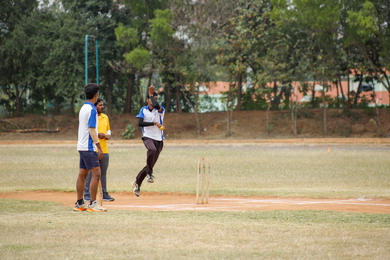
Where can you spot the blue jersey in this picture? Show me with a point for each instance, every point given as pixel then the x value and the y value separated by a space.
pixel 88 118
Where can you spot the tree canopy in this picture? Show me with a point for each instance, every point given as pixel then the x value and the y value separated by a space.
pixel 261 47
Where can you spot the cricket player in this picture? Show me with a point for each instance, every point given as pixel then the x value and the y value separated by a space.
pixel 89 149
pixel 150 118
pixel 104 134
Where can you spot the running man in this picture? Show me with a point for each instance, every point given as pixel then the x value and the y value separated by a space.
pixel 151 120
pixel 104 134
pixel 87 145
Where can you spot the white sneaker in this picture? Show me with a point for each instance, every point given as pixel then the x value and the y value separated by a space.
pixel 151 178
pixel 95 207
pixel 136 189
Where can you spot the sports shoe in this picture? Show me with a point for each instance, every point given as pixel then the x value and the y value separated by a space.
pixel 107 197
pixel 150 178
pixel 78 207
pixel 95 207
pixel 136 189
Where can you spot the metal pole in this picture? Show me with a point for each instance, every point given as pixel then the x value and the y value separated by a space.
pixel 97 63
pixel 86 59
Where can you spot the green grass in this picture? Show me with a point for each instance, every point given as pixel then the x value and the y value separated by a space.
pixel 41 230
pixel 302 171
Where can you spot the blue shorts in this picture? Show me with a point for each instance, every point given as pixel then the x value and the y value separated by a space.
pixel 88 160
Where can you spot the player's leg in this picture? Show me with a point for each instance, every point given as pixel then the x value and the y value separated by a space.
pixel 103 168
pixel 159 145
pixel 87 194
pixel 151 154
pixel 94 205
pixel 94 182
pixel 79 205
pixel 91 162
pixel 149 144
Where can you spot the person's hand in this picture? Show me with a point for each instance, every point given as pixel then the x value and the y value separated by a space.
pixel 101 135
pixel 150 91
pixel 100 155
pixel 107 137
pixel 161 127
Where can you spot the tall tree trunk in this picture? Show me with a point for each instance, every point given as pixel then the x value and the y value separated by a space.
pixel 387 86
pixel 378 121
pixel 338 94
pixel 198 125
pixel 168 96
pixel 195 108
pixel 18 101
pixel 129 94
pixel 178 101
pixel 239 91
pixel 229 113
pixel 8 103
pixel 72 101
pixel 358 90
pixel 276 98
pixel 348 92
pixel 313 95
pixel 267 119
pixel 293 110
pixel 342 92
pixel 324 119
pixel 57 105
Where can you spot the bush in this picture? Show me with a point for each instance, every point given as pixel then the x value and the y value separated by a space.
pixel 129 132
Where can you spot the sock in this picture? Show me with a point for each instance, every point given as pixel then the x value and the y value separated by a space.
pixel 80 201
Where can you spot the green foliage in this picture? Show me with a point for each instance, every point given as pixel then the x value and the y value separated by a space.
pixel 126 37
pixel 261 41
pixel 253 100
pixel 161 31
pixel 363 23
pixel 129 132
pixel 137 58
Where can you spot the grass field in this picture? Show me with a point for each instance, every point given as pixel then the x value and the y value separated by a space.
pixel 32 230
pixel 266 170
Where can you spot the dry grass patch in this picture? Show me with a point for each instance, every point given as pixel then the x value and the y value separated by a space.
pixel 265 170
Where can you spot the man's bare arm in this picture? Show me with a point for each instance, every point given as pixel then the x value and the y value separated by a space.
pixel 95 139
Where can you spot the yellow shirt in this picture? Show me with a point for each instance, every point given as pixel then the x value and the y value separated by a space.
pixel 104 127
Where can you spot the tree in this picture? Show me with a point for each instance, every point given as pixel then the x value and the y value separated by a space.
pixel 19 61
pixel 368 33
pixel 134 40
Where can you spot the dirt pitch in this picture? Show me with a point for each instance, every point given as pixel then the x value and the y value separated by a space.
pixel 186 202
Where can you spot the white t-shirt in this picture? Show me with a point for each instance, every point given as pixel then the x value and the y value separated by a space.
pixel 88 117
pixel 153 131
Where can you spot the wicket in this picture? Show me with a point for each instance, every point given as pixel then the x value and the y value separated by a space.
pixel 203 182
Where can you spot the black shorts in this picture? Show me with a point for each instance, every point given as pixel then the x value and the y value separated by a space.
pixel 88 160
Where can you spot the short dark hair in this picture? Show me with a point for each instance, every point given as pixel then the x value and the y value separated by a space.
pixel 98 101
pixel 90 90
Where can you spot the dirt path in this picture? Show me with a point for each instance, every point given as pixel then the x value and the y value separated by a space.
pixel 185 202
pixel 176 142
